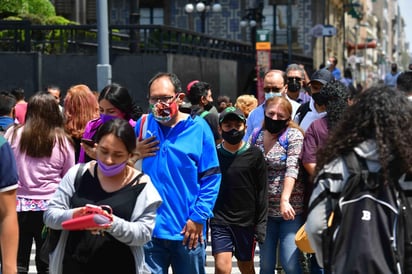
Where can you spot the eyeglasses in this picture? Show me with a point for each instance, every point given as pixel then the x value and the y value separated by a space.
pixel 163 99
pixel 271 89
pixel 294 79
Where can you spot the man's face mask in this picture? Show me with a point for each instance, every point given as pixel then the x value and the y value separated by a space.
pixel 294 84
pixel 164 112
pixel 319 98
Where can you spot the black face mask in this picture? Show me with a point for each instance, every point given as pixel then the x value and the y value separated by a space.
pixel 294 86
pixel 233 136
pixel 275 126
pixel 319 99
pixel 208 106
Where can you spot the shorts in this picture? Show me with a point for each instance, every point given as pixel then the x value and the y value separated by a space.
pixel 236 239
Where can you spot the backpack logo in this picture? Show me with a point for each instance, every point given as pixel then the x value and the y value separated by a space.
pixel 366 215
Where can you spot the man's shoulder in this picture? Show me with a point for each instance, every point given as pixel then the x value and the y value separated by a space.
pixel 257 111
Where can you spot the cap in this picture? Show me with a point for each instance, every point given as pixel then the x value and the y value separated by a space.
pixel 231 112
pixel 323 76
pixel 189 86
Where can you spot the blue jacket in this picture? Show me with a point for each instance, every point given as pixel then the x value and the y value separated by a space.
pixel 185 172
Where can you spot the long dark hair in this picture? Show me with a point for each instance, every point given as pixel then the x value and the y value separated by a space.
pixel 382 114
pixel 120 98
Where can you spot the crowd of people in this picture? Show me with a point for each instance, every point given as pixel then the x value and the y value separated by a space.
pixel 243 172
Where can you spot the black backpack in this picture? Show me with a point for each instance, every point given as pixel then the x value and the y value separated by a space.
pixel 371 230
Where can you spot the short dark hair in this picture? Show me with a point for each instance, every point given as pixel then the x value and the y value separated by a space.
pixel 18 93
pixel 121 129
pixel 52 86
pixel 173 79
pixel 7 103
pixel 196 92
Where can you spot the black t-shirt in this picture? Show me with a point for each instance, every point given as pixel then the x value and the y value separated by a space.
pixel 87 253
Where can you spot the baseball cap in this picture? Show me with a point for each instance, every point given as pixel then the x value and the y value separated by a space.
pixel 233 113
pixel 189 86
pixel 322 76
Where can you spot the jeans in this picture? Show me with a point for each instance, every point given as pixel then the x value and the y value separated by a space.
pixel 314 266
pixel 160 254
pixel 282 231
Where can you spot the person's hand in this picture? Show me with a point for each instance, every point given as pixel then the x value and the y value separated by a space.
pixel 94 209
pixel 193 233
pixel 89 150
pixel 287 211
pixel 145 148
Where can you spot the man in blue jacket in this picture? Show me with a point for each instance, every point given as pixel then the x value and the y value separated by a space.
pixel 185 171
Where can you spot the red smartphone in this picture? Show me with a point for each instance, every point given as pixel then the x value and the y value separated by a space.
pixel 88 142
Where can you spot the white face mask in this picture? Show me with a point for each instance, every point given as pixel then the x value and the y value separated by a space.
pixel 272 94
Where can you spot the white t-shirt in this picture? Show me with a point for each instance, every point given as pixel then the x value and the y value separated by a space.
pixel 311 116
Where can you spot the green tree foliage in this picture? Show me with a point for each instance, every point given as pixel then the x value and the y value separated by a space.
pixel 42 8
pixel 11 7
pixel 38 12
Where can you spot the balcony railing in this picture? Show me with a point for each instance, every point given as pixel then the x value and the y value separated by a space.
pixel 149 39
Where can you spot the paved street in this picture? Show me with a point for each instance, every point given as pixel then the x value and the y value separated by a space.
pixel 209 264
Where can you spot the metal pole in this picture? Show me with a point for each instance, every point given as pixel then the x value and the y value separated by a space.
pixel 344 39
pixel 134 20
pixel 104 70
pixel 289 30
pixel 323 37
pixel 203 21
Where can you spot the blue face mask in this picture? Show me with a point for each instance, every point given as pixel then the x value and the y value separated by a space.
pixel 269 95
pixel 105 117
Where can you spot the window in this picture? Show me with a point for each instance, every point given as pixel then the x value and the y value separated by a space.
pixel 151 16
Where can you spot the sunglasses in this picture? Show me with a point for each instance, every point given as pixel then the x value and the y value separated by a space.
pixel 294 79
pixel 271 89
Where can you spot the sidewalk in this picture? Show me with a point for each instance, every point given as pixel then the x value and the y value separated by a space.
pixel 209 262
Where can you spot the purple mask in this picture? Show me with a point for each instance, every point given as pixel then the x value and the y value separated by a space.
pixel 105 117
pixel 111 170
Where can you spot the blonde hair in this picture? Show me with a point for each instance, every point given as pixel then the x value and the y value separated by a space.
pixel 246 103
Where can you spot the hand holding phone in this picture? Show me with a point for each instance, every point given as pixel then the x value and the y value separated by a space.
pixel 88 142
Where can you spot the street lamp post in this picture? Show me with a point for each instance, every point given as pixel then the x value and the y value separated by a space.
pixel 253 18
pixel 203 7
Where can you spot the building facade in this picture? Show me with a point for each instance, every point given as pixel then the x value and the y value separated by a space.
pixel 368 34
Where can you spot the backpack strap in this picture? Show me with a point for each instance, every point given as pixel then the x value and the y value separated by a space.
pixel 404 187
pixel 142 128
pixel 204 113
pixel 354 168
pixel 255 135
pixel 301 112
pixel 357 167
pixel 79 174
pixel 283 138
